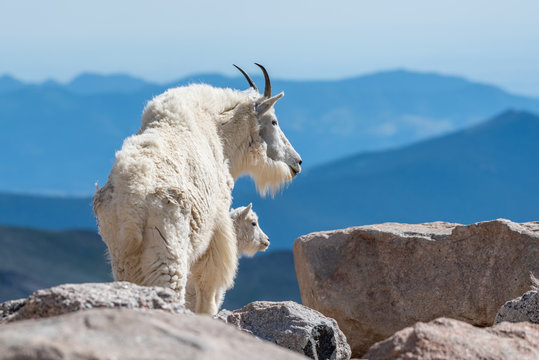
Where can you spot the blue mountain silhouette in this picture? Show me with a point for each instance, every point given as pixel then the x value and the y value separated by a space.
pixel 61 138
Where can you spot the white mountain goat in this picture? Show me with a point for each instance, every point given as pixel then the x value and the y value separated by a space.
pixel 164 211
pixel 249 240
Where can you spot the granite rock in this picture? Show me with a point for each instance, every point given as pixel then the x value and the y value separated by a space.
pixel 452 339
pixel 131 334
pixel 524 308
pixel 75 297
pixel 377 279
pixel 293 326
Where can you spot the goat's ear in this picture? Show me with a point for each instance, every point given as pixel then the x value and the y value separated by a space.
pixel 245 211
pixel 267 104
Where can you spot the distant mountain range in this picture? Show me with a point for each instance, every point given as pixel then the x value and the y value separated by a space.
pixel 35 259
pixel 487 171
pixel 61 138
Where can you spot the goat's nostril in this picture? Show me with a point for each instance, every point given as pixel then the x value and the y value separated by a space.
pixel 300 162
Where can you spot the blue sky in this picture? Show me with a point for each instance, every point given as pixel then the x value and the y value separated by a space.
pixel 488 41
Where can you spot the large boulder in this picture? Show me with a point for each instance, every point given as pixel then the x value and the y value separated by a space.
pixel 524 308
pixel 292 326
pixel 74 297
pixel 375 280
pixel 452 339
pixel 131 334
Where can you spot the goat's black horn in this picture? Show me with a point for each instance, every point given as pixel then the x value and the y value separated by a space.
pixel 251 83
pixel 267 87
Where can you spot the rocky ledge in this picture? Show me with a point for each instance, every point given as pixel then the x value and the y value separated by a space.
pixel 396 291
pixel 124 320
pixel 131 334
pixel 68 298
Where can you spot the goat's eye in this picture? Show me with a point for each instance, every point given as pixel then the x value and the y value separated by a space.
pixel 253 223
pixel 274 123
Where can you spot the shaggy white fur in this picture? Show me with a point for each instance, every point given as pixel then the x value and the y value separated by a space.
pixel 164 211
pixel 249 240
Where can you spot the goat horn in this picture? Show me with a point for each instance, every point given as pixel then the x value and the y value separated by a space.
pixel 251 83
pixel 267 87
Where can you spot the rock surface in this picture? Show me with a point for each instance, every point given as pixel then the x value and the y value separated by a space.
pixel 222 315
pixel 375 280
pixel 452 339
pixel 292 326
pixel 130 334
pixel 74 297
pixel 524 308
pixel 8 308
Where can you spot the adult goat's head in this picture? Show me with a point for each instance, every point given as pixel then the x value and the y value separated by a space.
pixel 280 163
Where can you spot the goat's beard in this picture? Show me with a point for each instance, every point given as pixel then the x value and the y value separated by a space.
pixel 270 176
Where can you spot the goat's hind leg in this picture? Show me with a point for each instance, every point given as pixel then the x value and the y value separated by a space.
pixel 161 264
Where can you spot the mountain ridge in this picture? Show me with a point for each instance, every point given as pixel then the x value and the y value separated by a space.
pixel 53 129
pixel 474 174
pixel 372 78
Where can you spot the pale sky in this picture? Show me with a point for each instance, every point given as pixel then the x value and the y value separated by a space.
pixel 496 42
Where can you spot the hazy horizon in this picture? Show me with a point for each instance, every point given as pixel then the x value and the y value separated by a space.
pixel 159 42
pixel 254 74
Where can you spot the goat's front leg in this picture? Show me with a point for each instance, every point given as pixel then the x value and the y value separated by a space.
pixel 205 301
pixel 219 297
pixel 216 269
